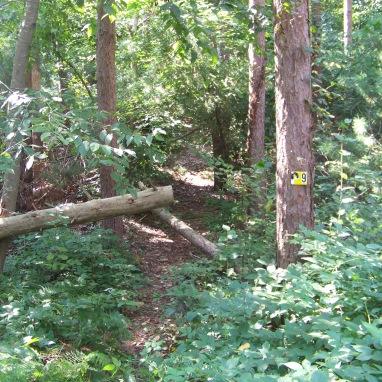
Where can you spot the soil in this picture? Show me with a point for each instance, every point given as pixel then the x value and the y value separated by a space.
pixel 159 249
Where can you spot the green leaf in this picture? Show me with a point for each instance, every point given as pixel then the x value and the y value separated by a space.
pixel 293 365
pixel 30 340
pixel 339 137
pixel 149 139
pixel 109 138
pixel 116 361
pixel 133 192
pixel 45 135
pixel 137 139
pixel 109 10
pixel 115 176
pixel 344 176
pixel 103 135
pixel 84 148
pixel 320 376
pixel 106 150
pixel 92 30
pixel 373 330
pixel 109 367
pixel 94 146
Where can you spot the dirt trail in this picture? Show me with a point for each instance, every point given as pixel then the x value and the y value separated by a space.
pixel 159 249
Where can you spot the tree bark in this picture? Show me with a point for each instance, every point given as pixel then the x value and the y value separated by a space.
pixel 219 150
pixel 348 24
pixel 30 177
pixel 316 67
pixel 199 241
pixel 107 102
pixel 11 180
pixel 256 108
pixel 94 210
pixel 294 125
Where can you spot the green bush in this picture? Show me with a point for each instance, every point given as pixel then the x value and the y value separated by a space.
pixel 63 291
pixel 317 321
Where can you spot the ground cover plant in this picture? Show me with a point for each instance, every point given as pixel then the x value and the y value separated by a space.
pixel 63 295
pixel 240 318
pixel 317 321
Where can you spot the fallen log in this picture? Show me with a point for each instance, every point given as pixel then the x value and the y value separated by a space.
pixel 94 210
pixel 195 238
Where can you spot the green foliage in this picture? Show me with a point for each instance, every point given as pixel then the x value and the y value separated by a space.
pixel 348 185
pixel 317 321
pixel 59 288
pixel 79 129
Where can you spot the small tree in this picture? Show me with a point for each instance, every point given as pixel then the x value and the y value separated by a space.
pixel 294 125
pixel 348 24
pixel 107 102
pixel 256 107
pixel 18 83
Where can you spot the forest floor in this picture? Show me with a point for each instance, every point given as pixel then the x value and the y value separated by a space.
pixel 159 250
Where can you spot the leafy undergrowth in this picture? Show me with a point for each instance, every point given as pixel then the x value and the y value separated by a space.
pixel 317 321
pixel 63 296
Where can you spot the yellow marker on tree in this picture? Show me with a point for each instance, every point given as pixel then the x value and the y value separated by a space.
pixel 299 178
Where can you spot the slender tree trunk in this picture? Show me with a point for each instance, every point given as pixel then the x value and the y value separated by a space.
pixel 107 93
pixel 348 24
pixel 256 110
pixel 219 150
pixel 12 180
pixel 316 67
pixel 30 177
pixel 294 125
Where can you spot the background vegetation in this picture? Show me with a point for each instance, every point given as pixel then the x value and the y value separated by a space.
pixel 66 295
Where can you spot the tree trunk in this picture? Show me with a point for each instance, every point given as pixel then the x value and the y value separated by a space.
pixel 348 24
pixel 107 94
pixel 219 150
pixel 30 177
pixel 94 210
pixel 256 109
pixel 294 127
pixel 316 67
pixel 11 181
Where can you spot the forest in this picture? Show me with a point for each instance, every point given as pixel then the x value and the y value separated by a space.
pixel 190 190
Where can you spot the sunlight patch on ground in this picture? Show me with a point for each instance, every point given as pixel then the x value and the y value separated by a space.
pixel 200 179
pixel 157 234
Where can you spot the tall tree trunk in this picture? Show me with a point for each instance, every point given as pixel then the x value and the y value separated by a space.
pixel 316 67
pixel 348 24
pixel 12 180
pixel 294 127
pixel 256 109
pixel 107 101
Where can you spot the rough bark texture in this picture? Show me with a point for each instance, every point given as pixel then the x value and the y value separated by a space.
pixel 256 107
pixel 94 210
pixel 199 241
pixel 294 125
pixel 106 90
pixel 316 67
pixel 12 180
pixel 348 24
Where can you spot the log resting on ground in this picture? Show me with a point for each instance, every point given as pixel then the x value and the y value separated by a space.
pixel 94 210
pixel 195 238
